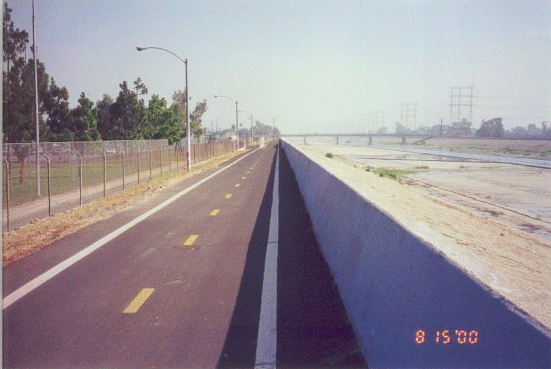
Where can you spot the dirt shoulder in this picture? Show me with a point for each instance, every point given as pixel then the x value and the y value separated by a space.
pixel 31 238
pixel 511 262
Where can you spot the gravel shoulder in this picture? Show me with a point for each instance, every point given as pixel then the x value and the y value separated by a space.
pixel 491 220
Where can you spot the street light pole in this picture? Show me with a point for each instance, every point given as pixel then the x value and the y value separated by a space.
pixel 252 138
pixel 188 141
pixel 36 113
pixel 236 117
pixel 188 158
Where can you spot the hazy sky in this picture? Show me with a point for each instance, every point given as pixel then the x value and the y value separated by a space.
pixel 314 66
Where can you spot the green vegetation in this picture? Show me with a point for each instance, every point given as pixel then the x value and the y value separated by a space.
pixel 392 173
pixel 422 167
pixel 126 117
pixel 329 155
pixel 369 168
pixel 491 128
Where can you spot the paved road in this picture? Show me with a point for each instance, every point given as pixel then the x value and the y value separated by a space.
pixel 182 288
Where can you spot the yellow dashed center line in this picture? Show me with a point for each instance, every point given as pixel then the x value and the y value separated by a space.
pixel 138 301
pixel 191 239
pixel 214 212
pixel 228 195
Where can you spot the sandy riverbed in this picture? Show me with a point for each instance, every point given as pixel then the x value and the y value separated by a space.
pixel 492 220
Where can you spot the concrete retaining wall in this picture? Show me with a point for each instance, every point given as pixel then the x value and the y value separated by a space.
pixel 409 305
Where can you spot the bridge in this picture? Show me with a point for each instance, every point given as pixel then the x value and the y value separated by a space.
pixel 369 136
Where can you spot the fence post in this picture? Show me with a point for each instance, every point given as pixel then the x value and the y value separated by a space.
pixel 104 174
pixel 169 160
pixel 7 193
pixel 161 158
pixel 139 152
pixel 80 177
pixel 177 158
pixel 123 171
pixel 49 188
pixel 150 164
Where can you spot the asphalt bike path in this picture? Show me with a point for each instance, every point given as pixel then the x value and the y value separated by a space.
pixel 189 261
pixel 182 288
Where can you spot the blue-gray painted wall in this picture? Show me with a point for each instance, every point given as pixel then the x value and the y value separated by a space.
pixel 394 284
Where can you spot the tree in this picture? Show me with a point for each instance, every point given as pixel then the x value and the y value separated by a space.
pixel 83 121
pixel 14 43
pixel 179 103
pixel 163 121
pixel 103 116
pixel 14 40
pixel 195 118
pixel 400 129
pixel 140 88
pixel 264 129
pixel 545 129
pixel 56 107
pixel 18 121
pixel 127 115
pixel 491 128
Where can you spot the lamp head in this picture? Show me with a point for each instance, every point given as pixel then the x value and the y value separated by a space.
pixel 140 48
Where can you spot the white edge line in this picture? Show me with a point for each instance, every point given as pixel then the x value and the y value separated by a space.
pixel 46 276
pixel 266 346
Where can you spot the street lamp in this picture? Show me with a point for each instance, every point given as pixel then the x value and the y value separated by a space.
pixel 188 158
pixel 236 117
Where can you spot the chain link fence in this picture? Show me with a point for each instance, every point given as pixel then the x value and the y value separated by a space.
pixel 74 173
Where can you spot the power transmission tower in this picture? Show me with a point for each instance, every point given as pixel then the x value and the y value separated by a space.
pixel 459 99
pixel 378 119
pixel 363 121
pixel 408 111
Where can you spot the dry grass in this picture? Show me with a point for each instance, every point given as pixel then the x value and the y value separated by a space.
pixel 27 240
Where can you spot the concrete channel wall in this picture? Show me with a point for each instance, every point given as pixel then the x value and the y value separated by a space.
pixel 410 306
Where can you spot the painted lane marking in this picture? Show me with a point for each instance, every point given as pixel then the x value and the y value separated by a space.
pixel 138 301
pixel 49 274
pixel 228 195
pixel 242 177
pixel 237 185
pixel 191 239
pixel 266 347
pixel 214 212
pixel 248 172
